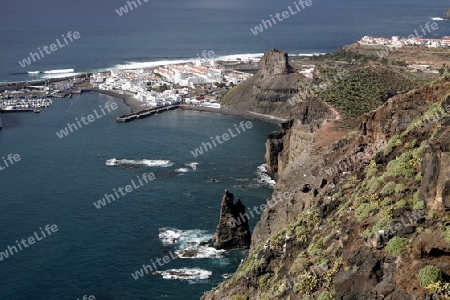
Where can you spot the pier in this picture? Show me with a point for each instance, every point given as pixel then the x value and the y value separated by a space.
pixel 145 113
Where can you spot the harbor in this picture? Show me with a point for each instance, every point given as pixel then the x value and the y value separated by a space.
pixel 145 113
pixel 24 105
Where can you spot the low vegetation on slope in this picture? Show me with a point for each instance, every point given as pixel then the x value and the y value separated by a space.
pixel 370 228
pixel 363 89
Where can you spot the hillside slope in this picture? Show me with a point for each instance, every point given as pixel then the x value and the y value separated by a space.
pixel 360 216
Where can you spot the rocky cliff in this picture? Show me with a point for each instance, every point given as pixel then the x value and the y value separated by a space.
pixel 447 14
pixel 269 90
pixel 356 215
pixel 233 231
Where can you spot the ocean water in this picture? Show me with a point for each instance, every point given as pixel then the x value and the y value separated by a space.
pixel 95 251
pixel 179 30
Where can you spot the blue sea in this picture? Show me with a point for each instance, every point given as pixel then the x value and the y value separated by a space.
pixel 57 180
pixel 159 31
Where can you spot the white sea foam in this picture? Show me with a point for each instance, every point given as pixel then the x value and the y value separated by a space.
pixel 437 19
pixel 243 57
pixel 59 71
pixel 188 243
pixel 185 274
pixel 57 75
pixel 150 64
pixel 153 64
pixel 192 165
pixel 263 177
pixel 141 162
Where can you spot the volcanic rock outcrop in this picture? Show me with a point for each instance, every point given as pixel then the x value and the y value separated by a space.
pixel 233 231
pixel 269 90
pixel 447 14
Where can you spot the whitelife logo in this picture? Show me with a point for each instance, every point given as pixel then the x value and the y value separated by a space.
pixel 109 106
pixel 53 47
pixel 124 9
pixel 11 158
pixel 31 240
pixel 198 151
pixel 128 189
pixel 280 17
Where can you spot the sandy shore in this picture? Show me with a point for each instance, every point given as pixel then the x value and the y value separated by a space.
pixel 134 104
pixel 232 112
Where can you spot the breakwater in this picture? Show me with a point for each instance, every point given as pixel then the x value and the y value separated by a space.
pixel 144 113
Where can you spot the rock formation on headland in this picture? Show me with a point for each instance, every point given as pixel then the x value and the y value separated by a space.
pixel 233 231
pixel 363 214
pixel 447 14
pixel 271 88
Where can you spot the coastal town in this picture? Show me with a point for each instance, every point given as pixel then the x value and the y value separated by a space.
pixel 196 83
pixel 191 83
pixel 414 40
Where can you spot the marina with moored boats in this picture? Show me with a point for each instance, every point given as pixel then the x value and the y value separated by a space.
pixel 24 105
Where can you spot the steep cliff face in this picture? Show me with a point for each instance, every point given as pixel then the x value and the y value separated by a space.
pixel 233 231
pixel 359 216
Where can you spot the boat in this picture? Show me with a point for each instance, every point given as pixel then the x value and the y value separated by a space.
pixel 36 110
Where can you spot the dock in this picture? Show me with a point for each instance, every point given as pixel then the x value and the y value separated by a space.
pixel 145 113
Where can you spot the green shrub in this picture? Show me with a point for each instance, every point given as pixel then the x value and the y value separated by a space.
pixel 429 274
pixel 325 296
pixel 364 210
pixel 401 203
pixel 387 201
pixel 419 205
pixel 383 224
pixel 388 189
pixel 403 166
pixel 399 188
pixel 299 265
pixel 307 283
pixel 446 234
pixel 411 145
pixel 394 142
pixel 416 202
pixel 396 245
pixel 372 169
pixel 374 184
pixel 418 177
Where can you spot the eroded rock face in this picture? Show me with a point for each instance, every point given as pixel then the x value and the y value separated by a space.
pixel 233 231
pixel 274 62
pixel 270 89
pixel 435 186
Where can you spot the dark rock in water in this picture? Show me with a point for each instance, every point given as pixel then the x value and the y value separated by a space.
pixel 233 231
pixel 447 14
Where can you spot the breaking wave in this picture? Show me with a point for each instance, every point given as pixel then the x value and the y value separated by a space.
pixel 141 162
pixel 185 274
pixel 264 177
pixel 189 243
pixel 192 167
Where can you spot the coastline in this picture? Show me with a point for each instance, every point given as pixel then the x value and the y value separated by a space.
pixel 232 112
pixel 136 107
